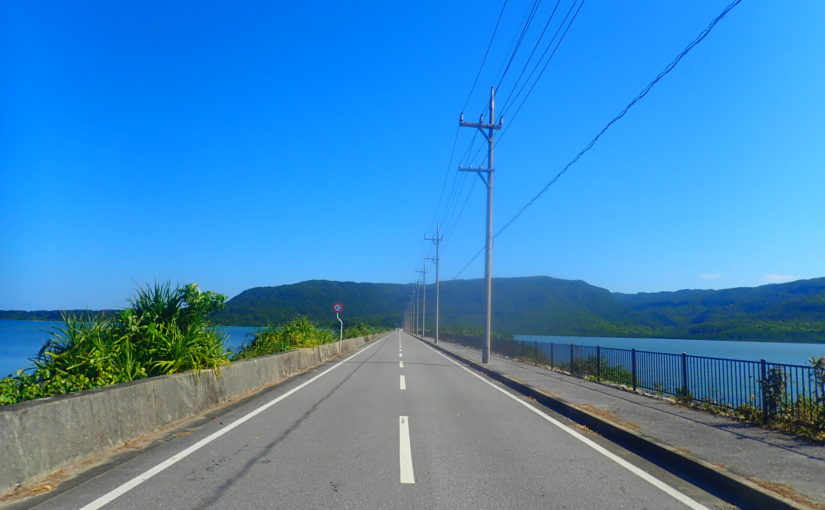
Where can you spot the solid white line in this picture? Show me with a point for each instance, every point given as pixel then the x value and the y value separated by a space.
pixel 401 364
pixel 607 453
pixel 403 383
pixel 134 482
pixel 404 451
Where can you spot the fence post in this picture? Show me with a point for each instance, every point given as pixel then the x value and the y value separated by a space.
pixel 633 367
pixel 536 351
pixel 763 370
pixel 598 363
pixel 685 390
pixel 552 349
pixel 571 359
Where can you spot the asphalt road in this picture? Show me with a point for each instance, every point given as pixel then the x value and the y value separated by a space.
pixel 396 425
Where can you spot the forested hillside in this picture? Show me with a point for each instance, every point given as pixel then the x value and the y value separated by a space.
pixel 541 305
pixel 787 311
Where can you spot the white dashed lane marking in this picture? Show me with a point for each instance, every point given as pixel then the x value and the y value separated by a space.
pixel 405 452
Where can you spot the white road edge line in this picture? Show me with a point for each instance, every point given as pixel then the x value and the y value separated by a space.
pixel 134 482
pixel 644 475
pixel 404 450
pixel 403 383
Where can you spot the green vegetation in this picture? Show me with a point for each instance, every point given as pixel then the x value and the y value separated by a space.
pixel 360 328
pixel 548 306
pixel 377 304
pixel 165 331
pixel 792 312
pixel 295 334
pixel 800 415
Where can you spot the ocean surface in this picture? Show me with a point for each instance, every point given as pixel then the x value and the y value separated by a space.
pixel 21 340
pixel 776 352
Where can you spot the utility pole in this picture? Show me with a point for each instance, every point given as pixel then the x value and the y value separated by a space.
pixel 415 310
pixel 437 241
pixel 486 175
pixel 423 272
pixel 410 315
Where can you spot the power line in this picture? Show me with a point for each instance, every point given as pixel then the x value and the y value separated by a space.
pixel 455 192
pixel 532 53
pixel 450 215
pixel 627 108
pixel 461 211
pixel 550 44
pixel 699 38
pixel 483 60
pixel 469 262
pixel 446 175
pixel 466 102
pixel 546 62
pixel 532 13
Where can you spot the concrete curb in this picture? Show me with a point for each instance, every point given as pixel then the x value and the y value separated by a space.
pixel 724 483
pixel 42 436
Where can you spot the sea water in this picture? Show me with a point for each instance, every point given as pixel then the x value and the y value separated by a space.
pixel 775 352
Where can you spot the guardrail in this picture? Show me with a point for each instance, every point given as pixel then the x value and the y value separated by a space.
pixel 755 390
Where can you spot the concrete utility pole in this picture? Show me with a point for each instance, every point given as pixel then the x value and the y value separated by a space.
pixel 437 241
pixel 486 175
pixel 415 311
pixel 410 315
pixel 423 272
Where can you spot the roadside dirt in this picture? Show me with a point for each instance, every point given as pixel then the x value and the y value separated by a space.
pixel 607 415
pixel 788 492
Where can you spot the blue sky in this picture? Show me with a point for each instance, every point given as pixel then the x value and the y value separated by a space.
pixel 242 144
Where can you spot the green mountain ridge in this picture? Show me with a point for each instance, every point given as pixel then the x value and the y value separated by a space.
pixel 541 305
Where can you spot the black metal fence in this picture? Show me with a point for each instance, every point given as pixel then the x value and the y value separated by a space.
pixel 753 388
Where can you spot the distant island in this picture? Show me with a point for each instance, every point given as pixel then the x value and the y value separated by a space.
pixel 540 305
pixel 49 315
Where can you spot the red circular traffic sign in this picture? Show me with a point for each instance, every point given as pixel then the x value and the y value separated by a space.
pixel 337 308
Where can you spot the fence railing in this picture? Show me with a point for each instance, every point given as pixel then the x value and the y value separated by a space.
pixel 753 388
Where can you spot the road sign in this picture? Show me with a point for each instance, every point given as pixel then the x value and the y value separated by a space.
pixel 338 308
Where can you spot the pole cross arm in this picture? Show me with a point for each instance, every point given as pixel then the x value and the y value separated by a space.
pixel 471 169
pixel 480 125
pixel 486 130
pixel 483 173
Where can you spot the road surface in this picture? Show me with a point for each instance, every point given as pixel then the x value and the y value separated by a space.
pixel 396 425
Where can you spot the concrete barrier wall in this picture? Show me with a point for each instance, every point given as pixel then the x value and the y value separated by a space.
pixel 42 436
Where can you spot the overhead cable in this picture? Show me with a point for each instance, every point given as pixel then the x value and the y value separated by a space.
pixel 699 38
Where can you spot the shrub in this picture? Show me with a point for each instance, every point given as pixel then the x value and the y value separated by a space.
pixel 295 334
pixel 166 330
